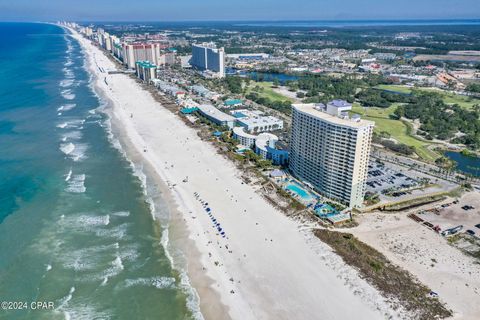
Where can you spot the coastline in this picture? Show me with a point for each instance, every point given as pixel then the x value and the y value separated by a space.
pixel 225 272
pixel 180 250
pixel 158 195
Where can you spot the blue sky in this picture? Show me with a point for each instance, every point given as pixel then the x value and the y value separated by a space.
pixel 173 10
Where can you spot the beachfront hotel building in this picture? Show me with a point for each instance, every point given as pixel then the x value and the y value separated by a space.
pixel 145 71
pixel 331 150
pixel 246 139
pixel 265 145
pixel 133 52
pixel 207 57
pixel 216 116
pixel 255 122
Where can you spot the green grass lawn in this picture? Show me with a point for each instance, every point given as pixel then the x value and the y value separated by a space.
pixel 448 98
pixel 396 128
pixel 396 88
pixel 462 101
pixel 267 91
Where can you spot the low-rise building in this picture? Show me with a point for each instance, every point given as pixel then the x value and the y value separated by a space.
pixel 254 121
pixel 216 116
pixel 246 139
pixel 167 87
pixel 265 146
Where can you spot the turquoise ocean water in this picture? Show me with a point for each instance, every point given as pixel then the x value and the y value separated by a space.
pixel 75 225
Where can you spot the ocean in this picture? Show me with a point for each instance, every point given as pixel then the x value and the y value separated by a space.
pixel 76 227
pixel 339 23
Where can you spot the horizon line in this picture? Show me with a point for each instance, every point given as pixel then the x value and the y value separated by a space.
pixel 254 20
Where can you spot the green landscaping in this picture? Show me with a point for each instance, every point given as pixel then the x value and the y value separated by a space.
pixel 264 90
pixel 395 88
pixel 397 129
pixel 448 98
pixel 262 93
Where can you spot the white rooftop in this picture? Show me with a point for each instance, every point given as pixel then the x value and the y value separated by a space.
pixel 255 118
pixel 319 111
pixel 213 112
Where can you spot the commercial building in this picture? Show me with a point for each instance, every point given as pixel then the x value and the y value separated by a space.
pixel 207 57
pixel 255 121
pixel 248 56
pixel 330 150
pixel 216 116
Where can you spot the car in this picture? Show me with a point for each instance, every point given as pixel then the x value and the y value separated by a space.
pixel 470 232
pixel 478 226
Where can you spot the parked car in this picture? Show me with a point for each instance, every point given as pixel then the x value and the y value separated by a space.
pixel 471 232
pixel 478 226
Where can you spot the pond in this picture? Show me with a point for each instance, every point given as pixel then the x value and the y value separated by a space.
pixel 467 164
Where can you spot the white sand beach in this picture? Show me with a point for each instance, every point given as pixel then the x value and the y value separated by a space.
pixel 266 267
pixel 428 256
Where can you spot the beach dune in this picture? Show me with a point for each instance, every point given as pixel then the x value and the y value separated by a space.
pixel 265 267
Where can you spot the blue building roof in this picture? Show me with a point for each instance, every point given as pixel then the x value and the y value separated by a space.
pixel 232 102
pixel 188 110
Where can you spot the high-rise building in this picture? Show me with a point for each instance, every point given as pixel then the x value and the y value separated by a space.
pixel 167 58
pixel 145 70
pixel 207 57
pixel 133 52
pixel 330 150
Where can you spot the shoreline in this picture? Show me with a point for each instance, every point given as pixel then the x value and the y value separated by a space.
pixel 177 233
pixel 298 267
pixel 174 229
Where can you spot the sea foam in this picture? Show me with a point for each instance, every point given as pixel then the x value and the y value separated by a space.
pixel 66 83
pixel 76 184
pixel 67 148
pixel 68 175
pixel 76 152
pixel 74 123
pixel 157 282
pixel 66 107
pixel 67 94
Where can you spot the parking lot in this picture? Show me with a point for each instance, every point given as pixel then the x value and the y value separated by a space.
pixel 464 212
pixel 383 179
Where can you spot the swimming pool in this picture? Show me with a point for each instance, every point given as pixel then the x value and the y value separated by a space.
pixel 325 210
pixel 298 190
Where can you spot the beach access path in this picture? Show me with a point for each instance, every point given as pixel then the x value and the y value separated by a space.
pixel 265 267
